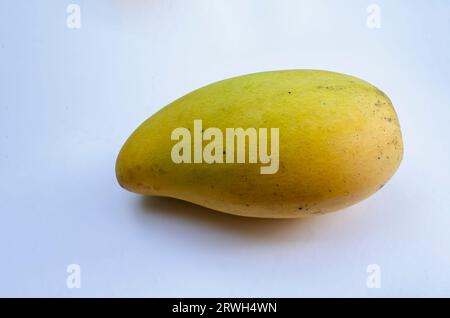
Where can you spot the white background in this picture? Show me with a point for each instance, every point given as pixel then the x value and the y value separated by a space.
pixel 70 97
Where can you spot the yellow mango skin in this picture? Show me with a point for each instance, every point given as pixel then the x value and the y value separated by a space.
pixel 340 141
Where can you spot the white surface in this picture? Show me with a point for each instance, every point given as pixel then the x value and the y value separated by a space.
pixel 70 98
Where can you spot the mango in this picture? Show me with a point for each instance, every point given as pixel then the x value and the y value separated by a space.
pixel 324 141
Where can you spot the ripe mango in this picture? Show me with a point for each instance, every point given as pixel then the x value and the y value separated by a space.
pixel 339 142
